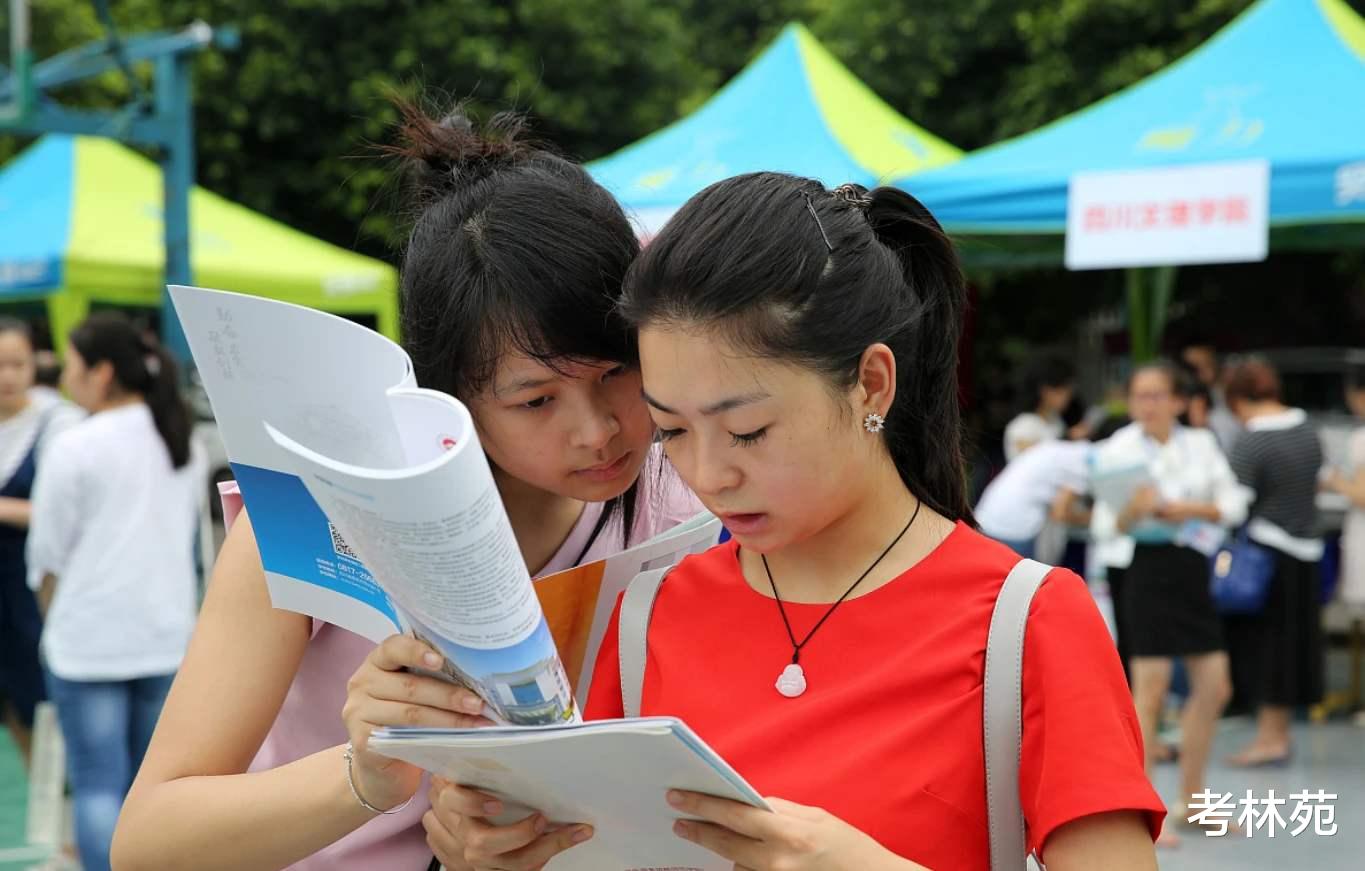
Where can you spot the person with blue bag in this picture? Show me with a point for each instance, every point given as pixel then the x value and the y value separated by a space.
pixel 1174 515
pixel 1277 648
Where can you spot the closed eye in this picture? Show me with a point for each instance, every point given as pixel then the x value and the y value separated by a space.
pixel 613 372
pixel 748 438
pixel 667 434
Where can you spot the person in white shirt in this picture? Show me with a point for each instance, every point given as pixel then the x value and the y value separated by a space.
pixel 1050 389
pixel 1168 528
pixel 1033 488
pixel 111 557
pixel 28 422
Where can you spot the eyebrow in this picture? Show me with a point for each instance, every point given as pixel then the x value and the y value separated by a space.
pixel 523 384
pixel 715 408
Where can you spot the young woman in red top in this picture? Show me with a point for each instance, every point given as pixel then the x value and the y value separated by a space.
pixel 799 353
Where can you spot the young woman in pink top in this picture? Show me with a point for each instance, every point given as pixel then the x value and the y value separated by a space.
pixel 512 267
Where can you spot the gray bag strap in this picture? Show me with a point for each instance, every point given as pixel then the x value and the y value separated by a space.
pixel 1003 714
pixel 633 633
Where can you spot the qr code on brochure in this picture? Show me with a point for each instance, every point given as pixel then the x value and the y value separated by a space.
pixel 339 545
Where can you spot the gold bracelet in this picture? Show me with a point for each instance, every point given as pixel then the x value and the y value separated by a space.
pixel 350 781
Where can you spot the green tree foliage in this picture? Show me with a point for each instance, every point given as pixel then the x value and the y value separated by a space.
pixel 286 124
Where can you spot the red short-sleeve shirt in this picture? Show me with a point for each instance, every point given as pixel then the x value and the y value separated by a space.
pixel 888 735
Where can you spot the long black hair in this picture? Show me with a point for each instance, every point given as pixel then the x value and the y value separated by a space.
pixel 513 248
pixel 791 270
pixel 140 366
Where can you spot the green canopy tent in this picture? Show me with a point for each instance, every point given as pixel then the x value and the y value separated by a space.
pixel 81 226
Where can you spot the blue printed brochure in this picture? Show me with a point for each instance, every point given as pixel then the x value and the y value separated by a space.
pixel 374 507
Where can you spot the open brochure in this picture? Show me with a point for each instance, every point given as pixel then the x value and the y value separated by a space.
pixel 611 774
pixel 1116 487
pixel 375 509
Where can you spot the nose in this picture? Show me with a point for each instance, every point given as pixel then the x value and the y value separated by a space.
pixel 597 425
pixel 707 470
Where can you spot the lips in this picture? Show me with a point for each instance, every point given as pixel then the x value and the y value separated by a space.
pixel 606 471
pixel 744 524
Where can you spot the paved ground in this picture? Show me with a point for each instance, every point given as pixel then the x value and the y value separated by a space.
pixel 1330 757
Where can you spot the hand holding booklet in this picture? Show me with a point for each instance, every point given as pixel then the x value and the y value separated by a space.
pixel 374 507
pixel 610 774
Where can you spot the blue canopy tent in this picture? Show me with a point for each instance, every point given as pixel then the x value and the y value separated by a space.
pixel 1284 82
pixel 796 109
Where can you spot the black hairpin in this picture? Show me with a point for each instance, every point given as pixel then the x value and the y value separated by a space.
pixel 810 206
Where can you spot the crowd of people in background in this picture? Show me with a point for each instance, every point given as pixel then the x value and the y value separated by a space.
pixel 98 583
pixel 1221 458
pixel 99 494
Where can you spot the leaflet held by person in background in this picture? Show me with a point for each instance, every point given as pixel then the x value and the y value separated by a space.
pixel 611 774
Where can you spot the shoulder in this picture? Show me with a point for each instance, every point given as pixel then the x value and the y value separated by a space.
pixel 1203 442
pixel 1026 422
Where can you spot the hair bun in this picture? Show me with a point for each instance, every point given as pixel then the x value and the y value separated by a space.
pixel 447 154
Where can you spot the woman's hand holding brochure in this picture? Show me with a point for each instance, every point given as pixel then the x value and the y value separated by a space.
pixel 389 690
pixel 461 835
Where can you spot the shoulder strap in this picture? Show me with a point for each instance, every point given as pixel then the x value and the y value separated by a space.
pixel 636 607
pixel 1003 714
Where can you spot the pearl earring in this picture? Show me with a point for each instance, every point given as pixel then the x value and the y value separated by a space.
pixel 874 422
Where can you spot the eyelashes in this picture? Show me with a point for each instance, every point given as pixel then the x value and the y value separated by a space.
pixel 739 440
pixel 744 440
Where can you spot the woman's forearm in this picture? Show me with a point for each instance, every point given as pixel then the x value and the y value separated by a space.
pixel 263 820
pixel 15 512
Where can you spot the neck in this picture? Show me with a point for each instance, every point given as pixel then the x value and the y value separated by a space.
pixel 820 568
pixel 21 402
pixel 1266 409
pixel 122 400
pixel 1163 433
pixel 541 520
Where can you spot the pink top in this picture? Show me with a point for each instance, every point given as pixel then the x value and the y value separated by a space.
pixel 310 718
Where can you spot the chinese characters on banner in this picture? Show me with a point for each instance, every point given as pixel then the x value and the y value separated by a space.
pixel 1209 213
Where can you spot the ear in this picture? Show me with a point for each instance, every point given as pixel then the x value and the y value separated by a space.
pixel 876 388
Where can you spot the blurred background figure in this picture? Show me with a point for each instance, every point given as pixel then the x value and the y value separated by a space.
pixel 1350 482
pixel 111 556
pixel 1182 483
pixel 1036 486
pixel 1277 655
pixel 1198 398
pixel 29 419
pixel 47 374
pixel 1048 391
pixel 1201 359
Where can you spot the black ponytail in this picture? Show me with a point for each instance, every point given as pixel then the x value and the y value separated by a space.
pixel 926 440
pixel 141 366
pixel 791 270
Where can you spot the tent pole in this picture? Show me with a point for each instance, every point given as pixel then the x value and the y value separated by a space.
pixel 1149 300
pixel 1163 288
pixel 174 102
pixel 1139 333
pixel 65 310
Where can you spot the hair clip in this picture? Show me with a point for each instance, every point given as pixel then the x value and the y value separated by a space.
pixel 854 195
pixel 810 206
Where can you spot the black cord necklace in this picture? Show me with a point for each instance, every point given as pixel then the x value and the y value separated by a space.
pixel 792 682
